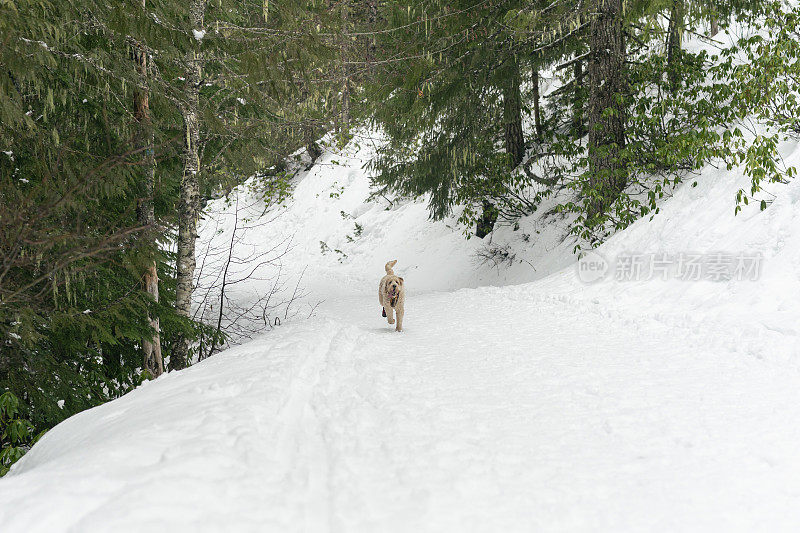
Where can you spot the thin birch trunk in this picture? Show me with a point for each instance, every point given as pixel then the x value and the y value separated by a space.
pixel 188 205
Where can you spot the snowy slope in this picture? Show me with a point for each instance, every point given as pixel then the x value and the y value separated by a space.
pixel 543 402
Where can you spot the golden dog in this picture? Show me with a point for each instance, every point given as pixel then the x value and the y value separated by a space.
pixel 392 295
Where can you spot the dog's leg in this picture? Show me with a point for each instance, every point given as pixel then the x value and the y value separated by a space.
pixel 390 314
pixel 400 313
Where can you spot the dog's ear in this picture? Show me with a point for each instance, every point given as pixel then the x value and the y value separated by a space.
pixel 401 280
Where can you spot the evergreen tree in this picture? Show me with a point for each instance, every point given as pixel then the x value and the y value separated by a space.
pixel 450 101
pixel 71 317
pixel 93 155
pixel 607 108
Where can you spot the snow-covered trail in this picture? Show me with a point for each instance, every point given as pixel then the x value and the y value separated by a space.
pixel 622 405
pixel 498 409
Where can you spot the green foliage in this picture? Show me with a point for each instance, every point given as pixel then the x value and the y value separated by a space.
pixel 673 132
pixel 763 74
pixel 255 97
pixel 16 434
pixel 441 109
pixel 72 310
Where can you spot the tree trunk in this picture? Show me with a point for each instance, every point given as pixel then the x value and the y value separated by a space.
pixel 714 26
pixel 606 108
pixel 309 131
pixel 487 220
pixel 674 44
pixel 188 204
pixel 514 140
pixel 145 214
pixel 372 42
pixel 153 360
pixel 577 103
pixel 312 146
pixel 537 117
pixel 579 94
pixel 345 57
pixel 512 117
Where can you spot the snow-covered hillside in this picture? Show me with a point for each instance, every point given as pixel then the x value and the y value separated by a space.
pixel 521 397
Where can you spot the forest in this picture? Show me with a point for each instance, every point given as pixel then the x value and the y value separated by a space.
pixel 121 121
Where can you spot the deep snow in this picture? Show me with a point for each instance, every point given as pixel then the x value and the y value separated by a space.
pixel 542 402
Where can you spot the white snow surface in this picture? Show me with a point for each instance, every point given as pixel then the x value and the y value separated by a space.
pixel 518 398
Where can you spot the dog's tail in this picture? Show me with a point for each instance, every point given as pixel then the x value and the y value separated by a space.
pixel 389 266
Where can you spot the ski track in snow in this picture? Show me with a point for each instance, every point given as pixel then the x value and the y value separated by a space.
pixel 341 424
